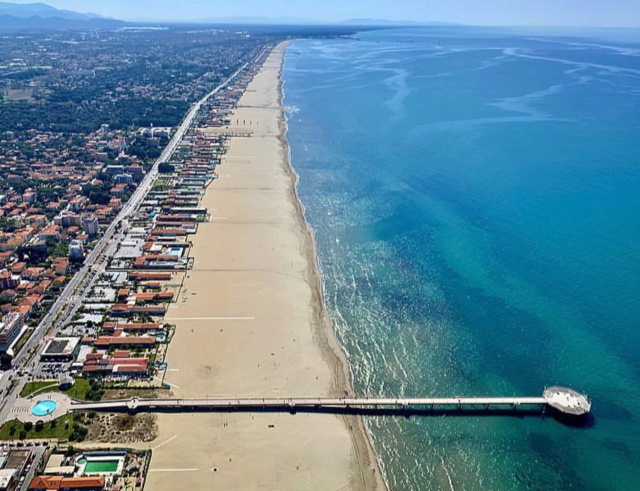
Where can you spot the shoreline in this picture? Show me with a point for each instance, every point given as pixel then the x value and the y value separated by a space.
pixel 333 351
pixel 251 322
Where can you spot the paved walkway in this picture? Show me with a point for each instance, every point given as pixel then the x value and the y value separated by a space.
pixel 23 407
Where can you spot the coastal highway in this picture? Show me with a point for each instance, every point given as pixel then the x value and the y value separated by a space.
pixel 96 261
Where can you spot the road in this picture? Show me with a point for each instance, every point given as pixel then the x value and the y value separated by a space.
pixel 72 297
pixel 38 454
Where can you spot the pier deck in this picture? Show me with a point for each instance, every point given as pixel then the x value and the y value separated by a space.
pixel 561 399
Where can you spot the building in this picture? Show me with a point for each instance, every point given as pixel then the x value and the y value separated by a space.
pixel 7 479
pixel 29 196
pixel 8 281
pixel 70 219
pixel 61 265
pixel 123 179
pixel 60 349
pixel 90 226
pixel 125 342
pixel 10 328
pixel 46 483
pixel 76 250
pixel 17 460
pixel 127 367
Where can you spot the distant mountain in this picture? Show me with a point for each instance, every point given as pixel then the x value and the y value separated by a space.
pixel 267 21
pixel 42 16
pixel 28 10
pixel 392 23
pixel 294 21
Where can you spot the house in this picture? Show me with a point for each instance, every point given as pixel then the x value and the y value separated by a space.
pixel 52 232
pixel 61 265
pixel 46 483
pixel 142 298
pixel 5 257
pixel 110 327
pixel 31 302
pixel 59 281
pixel 8 281
pixel 33 273
pixel 124 341
pixel 116 366
pixel 18 267
pixel 149 276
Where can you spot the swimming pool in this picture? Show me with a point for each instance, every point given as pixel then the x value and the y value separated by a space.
pixel 44 408
pixel 100 466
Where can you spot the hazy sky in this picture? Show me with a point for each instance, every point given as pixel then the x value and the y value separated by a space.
pixel 479 12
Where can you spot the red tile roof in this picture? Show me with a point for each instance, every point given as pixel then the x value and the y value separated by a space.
pixel 61 482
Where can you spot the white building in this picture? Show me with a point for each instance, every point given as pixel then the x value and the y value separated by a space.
pixel 10 327
pixel 76 250
pixel 90 225
pixel 7 478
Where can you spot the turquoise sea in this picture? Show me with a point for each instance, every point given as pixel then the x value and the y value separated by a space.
pixel 475 195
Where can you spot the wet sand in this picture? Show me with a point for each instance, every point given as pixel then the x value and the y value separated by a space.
pixel 252 323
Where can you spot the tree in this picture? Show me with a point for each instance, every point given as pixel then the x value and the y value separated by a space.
pixel 5 359
pixel 99 197
pixel 165 168
pixel 79 433
pixel 28 426
pixel 39 425
pixel 22 435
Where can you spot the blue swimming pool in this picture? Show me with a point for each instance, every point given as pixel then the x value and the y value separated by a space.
pixel 44 408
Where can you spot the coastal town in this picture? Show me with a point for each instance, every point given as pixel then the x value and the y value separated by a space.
pixel 95 244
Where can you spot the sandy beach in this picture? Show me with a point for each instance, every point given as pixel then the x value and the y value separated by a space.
pixel 250 322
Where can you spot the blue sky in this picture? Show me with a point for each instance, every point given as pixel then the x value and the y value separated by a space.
pixel 603 13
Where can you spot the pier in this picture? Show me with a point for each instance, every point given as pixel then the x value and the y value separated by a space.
pixel 562 399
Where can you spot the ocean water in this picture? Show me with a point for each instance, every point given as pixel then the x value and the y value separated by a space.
pixel 475 195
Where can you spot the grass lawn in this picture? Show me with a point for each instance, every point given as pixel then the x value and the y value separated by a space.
pixel 60 428
pixel 77 391
pixel 31 387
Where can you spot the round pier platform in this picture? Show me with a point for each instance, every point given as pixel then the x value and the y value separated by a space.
pixel 567 401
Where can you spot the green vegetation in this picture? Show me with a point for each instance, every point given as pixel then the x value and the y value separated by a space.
pixel 23 340
pixel 77 111
pixel 60 249
pixel 7 225
pixel 5 359
pixel 98 194
pixel 83 389
pixel 144 151
pixel 67 427
pixel 165 168
pixel 31 387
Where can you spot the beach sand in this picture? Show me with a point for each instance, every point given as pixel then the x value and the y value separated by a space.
pixel 251 323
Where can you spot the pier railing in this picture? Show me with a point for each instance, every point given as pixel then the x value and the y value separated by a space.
pixel 562 399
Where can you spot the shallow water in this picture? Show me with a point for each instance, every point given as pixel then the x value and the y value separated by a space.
pixel 475 196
